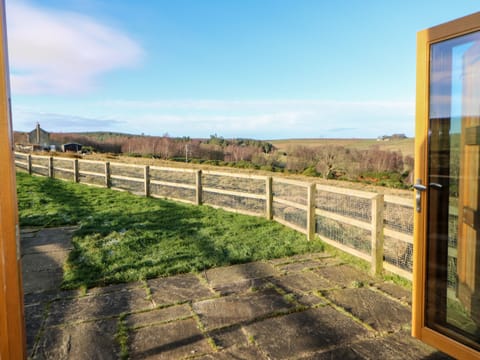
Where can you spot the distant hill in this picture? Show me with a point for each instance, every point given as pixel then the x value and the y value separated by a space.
pixel 405 146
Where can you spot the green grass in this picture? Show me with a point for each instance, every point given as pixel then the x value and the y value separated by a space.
pixel 123 237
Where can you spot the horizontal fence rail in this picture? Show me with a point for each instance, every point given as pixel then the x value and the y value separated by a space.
pixel 374 227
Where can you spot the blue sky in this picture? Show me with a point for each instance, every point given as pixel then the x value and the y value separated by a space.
pixel 264 69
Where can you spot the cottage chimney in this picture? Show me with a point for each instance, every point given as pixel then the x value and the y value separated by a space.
pixel 38 133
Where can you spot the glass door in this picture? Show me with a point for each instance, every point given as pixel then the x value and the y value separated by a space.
pixel 453 240
pixel 447 266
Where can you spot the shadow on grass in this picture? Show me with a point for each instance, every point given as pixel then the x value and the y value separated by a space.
pixel 123 237
pixel 170 238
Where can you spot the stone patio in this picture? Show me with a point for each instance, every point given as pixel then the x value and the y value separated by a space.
pixel 303 307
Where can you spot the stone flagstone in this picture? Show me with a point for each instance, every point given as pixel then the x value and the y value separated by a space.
pixel 178 288
pixel 90 340
pixel 344 275
pixel 374 309
pixel 93 307
pixel 174 340
pixel 235 309
pixel 288 336
pixel 239 278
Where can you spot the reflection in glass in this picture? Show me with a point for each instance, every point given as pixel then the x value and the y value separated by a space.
pixel 453 248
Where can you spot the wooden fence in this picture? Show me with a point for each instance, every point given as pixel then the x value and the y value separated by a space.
pixel 374 227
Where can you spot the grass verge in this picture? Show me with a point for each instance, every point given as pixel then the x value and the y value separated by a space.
pixel 123 237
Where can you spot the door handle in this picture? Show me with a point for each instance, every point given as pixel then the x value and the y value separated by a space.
pixel 419 187
pixel 436 185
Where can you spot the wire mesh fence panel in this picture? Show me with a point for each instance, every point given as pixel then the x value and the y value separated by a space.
pixel 234 183
pixel 40 160
pixel 21 161
pixel 453 228
pixel 40 166
pixel 290 214
pixel 38 170
pixel 452 278
pixel 91 166
pixel 90 179
pixel 135 187
pixel 398 217
pixel 20 157
pixel 63 174
pixel 234 202
pixel 173 176
pixel 344 204
pixel 127 170
pixel 21 166
pixel 290 192
pixel 172 192
pixel 345 234
pixel 63 169
pixel 398 253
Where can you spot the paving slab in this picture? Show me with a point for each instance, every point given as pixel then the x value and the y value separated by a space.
pixel 235 309
pixel 39 281
pixel 159 316
pixel 300 258
pixel 310 300
pixel 178 288
pixel 344 275
pixel 399 346
pixel 306 264
pixel 291 335
pixel 47 296
pixel 93 307
pixel 237 353
pixel 303 282
pixel 372 308
pixel 240 278
pixel 99 290
pixel 34 317
pixel 47 240
pixel 168 341
pixel 91 340
pixel 395 291
pixel 43 271
pixel 231 336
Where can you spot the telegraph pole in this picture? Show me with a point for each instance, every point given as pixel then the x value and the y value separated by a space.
pixel 12 323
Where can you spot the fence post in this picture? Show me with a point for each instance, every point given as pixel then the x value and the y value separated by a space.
pixel 312 190
pixel 146 177
pixel 50 167
pixel 29 164
pixel 269 198
pixel 199 187
pixel 107 174
pixel 377 234
pixel 75 170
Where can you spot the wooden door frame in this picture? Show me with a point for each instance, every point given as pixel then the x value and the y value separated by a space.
pixel 425 39
pixel 12 324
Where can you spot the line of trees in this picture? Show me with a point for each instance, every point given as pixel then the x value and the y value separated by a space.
pixel 215 148
pixel 372 165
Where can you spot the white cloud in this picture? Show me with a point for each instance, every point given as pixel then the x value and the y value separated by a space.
pixel 57 52
pixel 261 119
pixel 266 118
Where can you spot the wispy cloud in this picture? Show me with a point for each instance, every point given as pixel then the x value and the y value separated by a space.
pixel 261 119
pixel 58 52
pixel 267 118
pixel 26 120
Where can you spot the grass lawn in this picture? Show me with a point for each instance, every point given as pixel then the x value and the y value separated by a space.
pixel 123 237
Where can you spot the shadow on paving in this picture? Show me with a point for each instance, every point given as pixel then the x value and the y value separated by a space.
pixel 309 306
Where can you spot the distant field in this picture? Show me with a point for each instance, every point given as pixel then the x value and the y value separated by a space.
pixel 406 146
